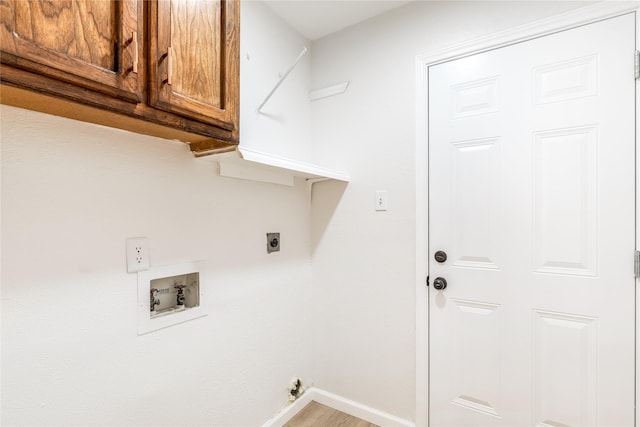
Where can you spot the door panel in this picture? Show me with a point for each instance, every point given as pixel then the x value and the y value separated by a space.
pixel 194 58
pixel 93 44
pixel 532 195
pixel 478 344
pixel 564 201
pixel 197 66
pixel 565 388
pixel 474 211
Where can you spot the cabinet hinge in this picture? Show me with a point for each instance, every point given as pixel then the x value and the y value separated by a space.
pixel 636 63
pixel 636 263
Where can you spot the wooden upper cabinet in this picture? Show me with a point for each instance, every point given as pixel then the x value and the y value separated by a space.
pixel 193 59
pixel 167 68
pixel 97 45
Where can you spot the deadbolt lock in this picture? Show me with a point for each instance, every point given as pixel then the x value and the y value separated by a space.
pixel 440 256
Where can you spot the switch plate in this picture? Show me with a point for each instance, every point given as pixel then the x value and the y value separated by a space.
pixel 382 200
pixel 137 254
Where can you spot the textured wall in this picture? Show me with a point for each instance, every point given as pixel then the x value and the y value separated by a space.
pixel 72 193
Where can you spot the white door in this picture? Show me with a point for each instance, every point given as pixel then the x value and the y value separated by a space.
pixel 531 197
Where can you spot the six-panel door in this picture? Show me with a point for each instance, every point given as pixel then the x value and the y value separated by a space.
pixel 532 197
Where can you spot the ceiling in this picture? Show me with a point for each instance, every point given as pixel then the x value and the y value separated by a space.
pixel 317 18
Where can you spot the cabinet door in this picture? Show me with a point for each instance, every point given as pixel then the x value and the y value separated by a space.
pixel 93 44
pixel 193 62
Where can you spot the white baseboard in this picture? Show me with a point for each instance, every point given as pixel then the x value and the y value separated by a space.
pixel 290 411
pixel 339 403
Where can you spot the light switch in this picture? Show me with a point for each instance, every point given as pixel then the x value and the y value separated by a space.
pixel 382 200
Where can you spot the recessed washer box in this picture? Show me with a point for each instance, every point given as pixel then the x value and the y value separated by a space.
pixel 170 295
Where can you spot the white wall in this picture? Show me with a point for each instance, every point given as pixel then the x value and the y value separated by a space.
pixel 364 261
pixel 70 352
pixel 72 193
pixel 268 49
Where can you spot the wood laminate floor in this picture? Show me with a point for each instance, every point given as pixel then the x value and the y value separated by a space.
pixel 318 415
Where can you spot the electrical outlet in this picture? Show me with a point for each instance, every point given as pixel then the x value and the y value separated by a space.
pixel 137 254
pixel 273 242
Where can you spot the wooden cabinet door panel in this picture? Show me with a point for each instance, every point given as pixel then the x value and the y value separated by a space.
pixel 194 59
pixel 92 44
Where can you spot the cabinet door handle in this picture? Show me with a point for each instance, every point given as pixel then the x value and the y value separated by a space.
pixel 135 52
pixel 169 65
pixel 134 57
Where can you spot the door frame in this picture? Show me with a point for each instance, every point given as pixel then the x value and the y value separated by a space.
pixel 423 61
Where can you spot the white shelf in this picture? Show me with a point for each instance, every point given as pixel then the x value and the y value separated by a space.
pixel 254 165
pixel 328 91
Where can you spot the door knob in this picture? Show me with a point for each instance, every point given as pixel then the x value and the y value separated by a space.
pixel 440 256
pixel 440 283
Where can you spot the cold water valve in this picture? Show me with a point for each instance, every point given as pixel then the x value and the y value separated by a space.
pixel 180 298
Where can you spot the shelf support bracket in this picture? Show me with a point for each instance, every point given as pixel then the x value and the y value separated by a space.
pixel 284 76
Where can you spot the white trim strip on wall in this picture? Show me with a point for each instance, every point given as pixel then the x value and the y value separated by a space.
pixel 586 15
pixel 290 411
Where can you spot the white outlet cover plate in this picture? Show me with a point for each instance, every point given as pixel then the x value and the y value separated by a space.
pixel 137 254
